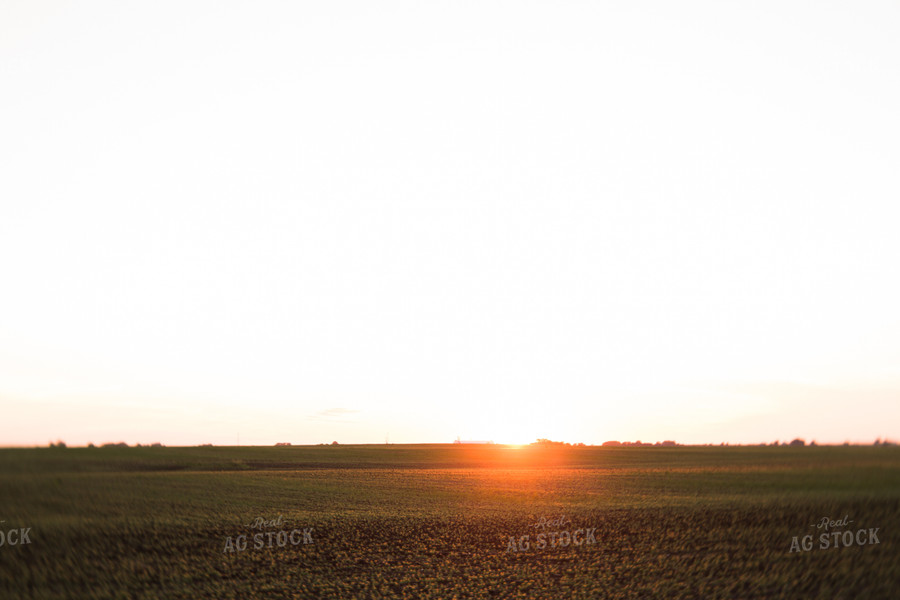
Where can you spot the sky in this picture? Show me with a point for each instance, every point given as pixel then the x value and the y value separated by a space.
pixel 258 222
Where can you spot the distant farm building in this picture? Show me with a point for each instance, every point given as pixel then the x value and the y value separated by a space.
pixel 639 443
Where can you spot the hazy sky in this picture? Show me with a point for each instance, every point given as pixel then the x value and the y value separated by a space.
pixel 335 220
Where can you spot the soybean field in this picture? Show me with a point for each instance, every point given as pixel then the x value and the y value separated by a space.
pixel 450 521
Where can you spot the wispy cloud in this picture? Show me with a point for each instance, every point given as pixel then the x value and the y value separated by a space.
pixel 334 414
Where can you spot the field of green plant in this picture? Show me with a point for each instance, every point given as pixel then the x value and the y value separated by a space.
pixel 448 521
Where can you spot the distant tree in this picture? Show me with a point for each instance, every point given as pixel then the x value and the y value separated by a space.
pixel 334 444
pixel 798 442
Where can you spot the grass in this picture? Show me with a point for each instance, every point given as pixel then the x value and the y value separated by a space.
pixel 434 521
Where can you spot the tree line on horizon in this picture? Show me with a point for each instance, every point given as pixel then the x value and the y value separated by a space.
pixel 540 442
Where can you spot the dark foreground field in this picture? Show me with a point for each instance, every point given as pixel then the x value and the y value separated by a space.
pixel 437 522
